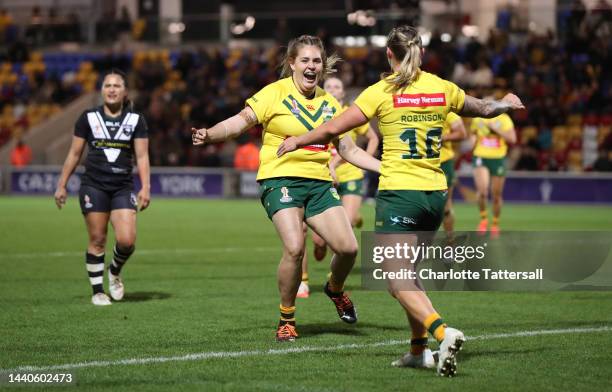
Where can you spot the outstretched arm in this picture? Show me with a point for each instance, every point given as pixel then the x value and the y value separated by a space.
pixel 489 108
pixel 351 153
pixel 323 134
pixel 226 129
pixel 71 162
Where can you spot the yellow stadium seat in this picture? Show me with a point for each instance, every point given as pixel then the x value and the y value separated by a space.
pixel 574 119
pixel 603 133
pixel 575 131
pixel 36 56
pixel 559 133
pixel 528 133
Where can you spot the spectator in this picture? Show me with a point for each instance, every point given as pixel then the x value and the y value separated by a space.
pixel 21 155
pixel 246 156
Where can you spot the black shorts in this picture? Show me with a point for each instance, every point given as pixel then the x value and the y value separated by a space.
pixel 96 200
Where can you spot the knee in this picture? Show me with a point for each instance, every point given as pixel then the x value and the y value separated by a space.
pixel 97 243
pixel 125 244
pixel 125 247
pixel 348 250
pixel 295 251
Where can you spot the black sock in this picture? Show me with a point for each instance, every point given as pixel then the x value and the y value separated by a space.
pixel 120 256
pixel 95 270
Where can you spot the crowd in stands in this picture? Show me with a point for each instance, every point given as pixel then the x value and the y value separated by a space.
pixel 564 79
pixel 565 82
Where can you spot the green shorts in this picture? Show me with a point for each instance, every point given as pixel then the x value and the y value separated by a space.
pixel 448 167
pixel 400 211
pixel 496 166
pixel 315 196
pixel 353 187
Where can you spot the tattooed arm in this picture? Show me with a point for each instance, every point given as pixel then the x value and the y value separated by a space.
pixel 226 129
pixel 489 108
pixel 351 153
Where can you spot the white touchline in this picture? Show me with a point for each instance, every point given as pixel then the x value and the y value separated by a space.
pixel 143 252
pixel 284 351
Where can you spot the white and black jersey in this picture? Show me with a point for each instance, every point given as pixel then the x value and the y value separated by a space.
pixel 110 158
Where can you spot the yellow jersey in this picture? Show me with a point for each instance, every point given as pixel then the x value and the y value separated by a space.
pixel 488 143
pixel 284 111
pixel 411 123
pixel 446 152
pixel 347 172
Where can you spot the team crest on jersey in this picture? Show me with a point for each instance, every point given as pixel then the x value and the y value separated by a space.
pixel 87 201
pixel 334 193
pixel 294 108
pixel 286 198
pixel 328 113
pixel 128 129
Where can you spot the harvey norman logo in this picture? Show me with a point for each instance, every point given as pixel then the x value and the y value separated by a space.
pixel 419 100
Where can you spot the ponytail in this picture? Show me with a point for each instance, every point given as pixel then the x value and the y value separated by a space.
pixel 405 44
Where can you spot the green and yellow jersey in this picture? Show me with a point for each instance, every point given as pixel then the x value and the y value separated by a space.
pixel 488 143
pixel 347 172
pixel 446 152
pixel 411 123
pixel 284 112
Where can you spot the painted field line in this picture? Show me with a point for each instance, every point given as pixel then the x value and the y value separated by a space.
pixel 284 351
pixel 202 250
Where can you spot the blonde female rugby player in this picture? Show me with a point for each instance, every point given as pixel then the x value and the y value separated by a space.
pixel 411 106
pixel 348 180
pixel 297 187
pixel 489 161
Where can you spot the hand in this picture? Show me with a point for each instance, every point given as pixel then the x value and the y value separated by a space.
pixel 513 101
pixel 199 136
pixel 286 146
pixel 144 199
pixel 60 197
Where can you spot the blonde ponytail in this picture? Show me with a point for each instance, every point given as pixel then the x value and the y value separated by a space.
pixel 405 43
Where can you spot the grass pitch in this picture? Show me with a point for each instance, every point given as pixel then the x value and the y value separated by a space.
pixel 203 282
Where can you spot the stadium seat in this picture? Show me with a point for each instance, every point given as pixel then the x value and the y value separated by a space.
pixel 574 119
pixel 528 133
pixel 559 133
pixel 603 133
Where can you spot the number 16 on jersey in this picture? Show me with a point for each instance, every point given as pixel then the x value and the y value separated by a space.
pixel 433 141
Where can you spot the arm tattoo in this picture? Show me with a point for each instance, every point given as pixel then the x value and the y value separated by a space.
pixel 474 107
pixel 343 145
pixel 249 116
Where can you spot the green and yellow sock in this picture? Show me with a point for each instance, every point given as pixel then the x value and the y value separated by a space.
pixel 435 325
pixel 496 221
pixel 287 315
pixel 305 277
pixel 483 215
